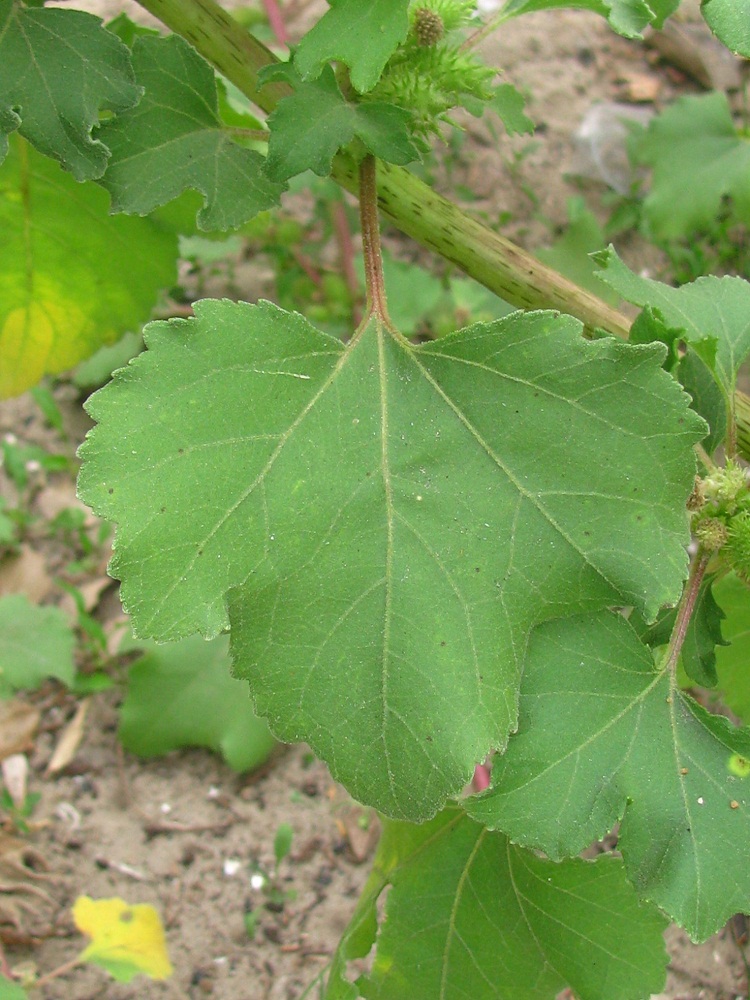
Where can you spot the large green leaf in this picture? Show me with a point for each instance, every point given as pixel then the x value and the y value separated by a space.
pixel 383 524
pixel 311 125
pixel 713 314
pixel 72 277
pixel 183 695
pixel 733 659
pixel 470 915
pixel 58 70
pixel 698 158
pixel 175 140
pixel 35 643
pixel 628 17
pixel 730 21
pixel 363 34
pixel 603 734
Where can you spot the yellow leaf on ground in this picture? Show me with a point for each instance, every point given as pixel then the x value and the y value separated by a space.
pixel 125 940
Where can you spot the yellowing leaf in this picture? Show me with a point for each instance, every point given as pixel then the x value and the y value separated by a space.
pixel 126 940
pixel 72 277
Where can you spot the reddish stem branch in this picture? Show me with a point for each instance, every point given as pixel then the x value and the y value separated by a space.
pixel 368 210
pixel 276 21
pixel 686 608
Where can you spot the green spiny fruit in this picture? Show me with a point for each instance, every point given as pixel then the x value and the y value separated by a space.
pixel 738 545
pixel 428 27
pixel 711 533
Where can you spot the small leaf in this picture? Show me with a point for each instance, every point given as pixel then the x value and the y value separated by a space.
pixel 282 842
pixel 390 631
pixel 182 694
pixel 712 314
pixel 72 277
pixel 125 940
pixel 730 22
pixel 698 159
pixel 508 104
pixel 175 140
pixel 733 659
pixel 698 381
pixel 58 70
pixel 11 991
pixel 571 253
pixel 603 735
pixel 311 125
pixel 35 643
pixel 628 17
pixel 499 923
pixel 363 34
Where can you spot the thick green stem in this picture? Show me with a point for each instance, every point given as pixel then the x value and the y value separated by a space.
pixel 224 42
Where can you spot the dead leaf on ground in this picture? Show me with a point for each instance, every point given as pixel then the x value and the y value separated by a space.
pixel 16 778
pixel 18 724
pixel 361 828
pixel 639 88
pixel 25 573
pixel 69 741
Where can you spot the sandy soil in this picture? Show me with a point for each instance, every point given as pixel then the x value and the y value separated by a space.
pixel 184 832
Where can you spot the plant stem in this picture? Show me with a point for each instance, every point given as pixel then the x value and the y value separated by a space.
pixel 686 608
pixel 483 254
pixel 276 21
pixel 221 40
pixel 373 258
pixel 61 970
pixel 481 33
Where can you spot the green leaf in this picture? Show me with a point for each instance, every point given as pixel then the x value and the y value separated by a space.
pixel 382 524
pixel 603 735
pixel 72 277
pixel 58 70
pixel 730 22
pixel 11 991
pixel 361 931
pixel 628 17
pixel 183 694
pixel 697 379
pixel 499 923
pixel 707 310
pixel 35 643
pixel 175 140
pixel 363 34
pixel 571 254
pixel 698 158
pixel 508 104
pixel 733 659
pixel 311 125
